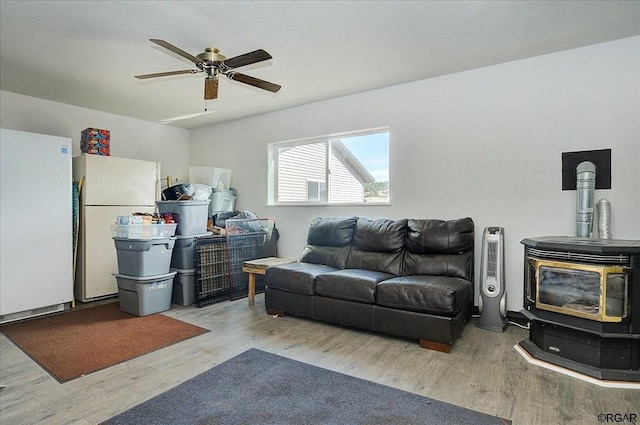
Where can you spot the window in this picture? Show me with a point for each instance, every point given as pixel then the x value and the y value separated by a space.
pixel 348 168
pixel 316 191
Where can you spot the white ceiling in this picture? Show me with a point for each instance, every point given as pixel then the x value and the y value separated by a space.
pixel 86 53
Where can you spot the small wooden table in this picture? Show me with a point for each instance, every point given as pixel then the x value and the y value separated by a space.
pixel 260 266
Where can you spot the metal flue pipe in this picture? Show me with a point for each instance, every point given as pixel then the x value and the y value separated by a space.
pixel 585 185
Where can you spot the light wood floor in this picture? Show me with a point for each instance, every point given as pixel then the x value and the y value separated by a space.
pixel 483 371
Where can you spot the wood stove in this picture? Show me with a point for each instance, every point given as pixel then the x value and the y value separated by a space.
pixel 582 298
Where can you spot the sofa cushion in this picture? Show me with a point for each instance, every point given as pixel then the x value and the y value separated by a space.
pixel 438 247
pixel 440 236
pixel 378 245
pixel 334 256
pixel 329 241
pixel 331 231
pixel 439 265
pixel 350 284
pixel 298 278
pixel 439 295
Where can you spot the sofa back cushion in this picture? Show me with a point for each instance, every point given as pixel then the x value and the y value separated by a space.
pixel 378 245
pixel 438 247
pixel 329 241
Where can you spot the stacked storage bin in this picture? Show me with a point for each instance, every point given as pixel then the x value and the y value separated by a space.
pixel 145 281
pixel 191 216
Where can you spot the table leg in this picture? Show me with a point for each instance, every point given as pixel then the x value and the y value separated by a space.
pixel 252 288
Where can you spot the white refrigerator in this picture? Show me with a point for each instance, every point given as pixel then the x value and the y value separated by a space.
pixel 36 267
pixel 111 187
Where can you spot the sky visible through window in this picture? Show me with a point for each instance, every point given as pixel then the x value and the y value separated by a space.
pixel 372 150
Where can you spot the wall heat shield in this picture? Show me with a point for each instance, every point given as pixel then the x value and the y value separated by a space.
pixel 600 158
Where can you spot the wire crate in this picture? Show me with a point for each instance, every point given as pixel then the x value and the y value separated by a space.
pixel 212 270
pixel 248 239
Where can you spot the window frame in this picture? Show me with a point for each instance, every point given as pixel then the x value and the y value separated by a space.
pixel 273 166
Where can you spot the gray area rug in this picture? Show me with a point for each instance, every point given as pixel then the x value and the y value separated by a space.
pixel 257 387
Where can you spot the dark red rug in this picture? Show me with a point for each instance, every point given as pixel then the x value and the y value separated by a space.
pixel 72 344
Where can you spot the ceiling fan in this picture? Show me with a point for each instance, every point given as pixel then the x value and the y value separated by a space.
pixel 214 64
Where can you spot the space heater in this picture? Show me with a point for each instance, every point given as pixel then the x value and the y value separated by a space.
pixel 493 295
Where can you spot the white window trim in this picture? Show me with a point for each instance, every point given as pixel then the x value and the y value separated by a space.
pixel 272 167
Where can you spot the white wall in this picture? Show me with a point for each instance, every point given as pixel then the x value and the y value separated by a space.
pixel 485 143
pixel 130 138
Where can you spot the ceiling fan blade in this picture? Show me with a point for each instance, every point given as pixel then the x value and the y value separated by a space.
pixel 247 59
pixel 252 81
pixel 166 74
pixel 176 50
pixel 210 88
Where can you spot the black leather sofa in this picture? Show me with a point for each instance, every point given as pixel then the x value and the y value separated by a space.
pixel 410 278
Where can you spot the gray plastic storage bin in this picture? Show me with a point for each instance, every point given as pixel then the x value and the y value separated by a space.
pixel 184 289
pixel 144 257
pixel 142 296
pixel 184 252
pixel 191 215
pixel 222 200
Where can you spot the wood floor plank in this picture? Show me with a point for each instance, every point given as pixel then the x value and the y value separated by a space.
pixel 482 372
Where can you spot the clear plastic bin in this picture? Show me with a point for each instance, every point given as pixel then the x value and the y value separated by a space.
pixel 143 231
